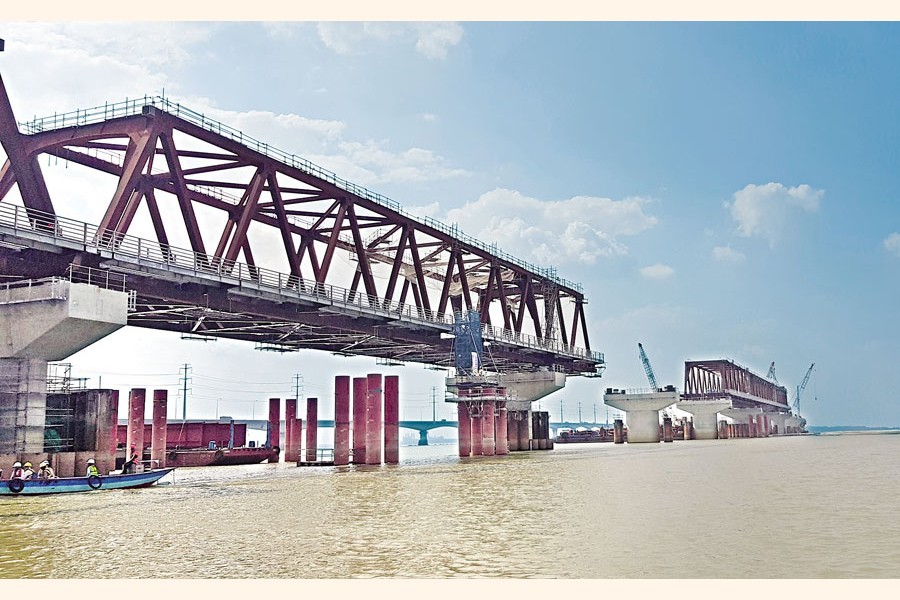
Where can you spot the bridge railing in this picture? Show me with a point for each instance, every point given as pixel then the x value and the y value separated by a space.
pixel 56 288
pixel 106 242
pixel 141 105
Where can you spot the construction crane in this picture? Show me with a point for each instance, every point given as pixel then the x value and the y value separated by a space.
pixel 771 373
pixel 647 368
pixel 800 388
pixel 651 376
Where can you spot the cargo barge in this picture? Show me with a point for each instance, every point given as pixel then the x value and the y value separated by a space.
pixel 580 435
pixel 201 444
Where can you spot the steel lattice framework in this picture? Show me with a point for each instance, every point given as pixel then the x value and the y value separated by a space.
pixel 245 241
pixel 715 379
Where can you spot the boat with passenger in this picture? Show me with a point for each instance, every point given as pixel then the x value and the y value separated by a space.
pixel 60 485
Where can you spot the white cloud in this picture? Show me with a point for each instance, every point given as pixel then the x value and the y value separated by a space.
pixel 892 244
pixel 766 210
pixel 577 230
pixel 280 30
pixel 657 272
pixel 435 39
pixel 83 65
pixel 727 254
pixel 428 210
pixel 124 62
pixel 432 40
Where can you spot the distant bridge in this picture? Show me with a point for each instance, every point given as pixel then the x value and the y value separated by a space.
pixel 423 427
pixel 221 235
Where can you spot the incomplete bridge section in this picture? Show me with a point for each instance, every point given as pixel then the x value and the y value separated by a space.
pixel 734 391
pixel 221 235
pixel 723 379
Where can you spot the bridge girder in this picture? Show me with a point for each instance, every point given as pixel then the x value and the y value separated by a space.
pixel 183 178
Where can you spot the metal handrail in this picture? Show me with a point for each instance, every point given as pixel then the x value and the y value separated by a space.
pixel 131 107
pixel 108 242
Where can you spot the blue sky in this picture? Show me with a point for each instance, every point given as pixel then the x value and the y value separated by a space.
pixel 721 190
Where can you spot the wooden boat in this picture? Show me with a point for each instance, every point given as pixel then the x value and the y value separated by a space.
pixel 29 487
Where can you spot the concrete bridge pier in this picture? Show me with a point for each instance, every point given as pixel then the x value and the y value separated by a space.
pixel 794 424
pixel 43 321
pixel 705 416
pixel 641 411
pixel 744 418
pixel 510 402
pixel 777 422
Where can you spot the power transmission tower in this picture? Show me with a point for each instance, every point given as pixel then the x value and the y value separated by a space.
pixel 298 386
pixel 434 403
pixel 184 380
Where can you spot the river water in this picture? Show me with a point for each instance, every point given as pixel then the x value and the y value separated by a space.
pixel 823 506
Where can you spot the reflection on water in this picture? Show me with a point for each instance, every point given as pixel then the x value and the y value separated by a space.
pixel 796 507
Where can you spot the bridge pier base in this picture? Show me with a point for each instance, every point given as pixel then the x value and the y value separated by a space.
pixel 391 419
pixel 464 425
pixel 374 419
pixel 291 453
pixel 641 412
pixel 158 429
pixel 743 419
pixel 360 419
pixel 487 428
pixel 134 436
pixel 502 424
pixel 341 420
pixel 705 416
pixel 312 429
pixel 273 439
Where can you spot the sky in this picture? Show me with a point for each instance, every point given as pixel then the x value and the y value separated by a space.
pixel 720 189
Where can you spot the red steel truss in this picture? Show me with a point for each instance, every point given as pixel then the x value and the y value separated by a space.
pixel 199 189
pixel 713 379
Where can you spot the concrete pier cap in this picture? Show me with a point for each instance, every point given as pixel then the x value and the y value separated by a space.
pixel 641 411
pixel 59 319
pixel 705 416
pixel 777 420
pixel 523 388
pixel 741 415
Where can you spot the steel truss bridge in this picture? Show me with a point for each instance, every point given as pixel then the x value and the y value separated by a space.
pixel 724 379
pixel 221 235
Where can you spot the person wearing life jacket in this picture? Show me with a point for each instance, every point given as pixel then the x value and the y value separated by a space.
pixel 92 468
pixel 17 471
pixel 45 471
pixel 27 471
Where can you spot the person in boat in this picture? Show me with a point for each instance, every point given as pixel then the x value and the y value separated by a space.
pixel 92 468
pixel 27 471
pixel 17 471
pixel 45 471
pixel 128 466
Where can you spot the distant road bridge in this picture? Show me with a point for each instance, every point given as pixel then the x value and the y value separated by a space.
pixel 423 427
pixel 221 235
